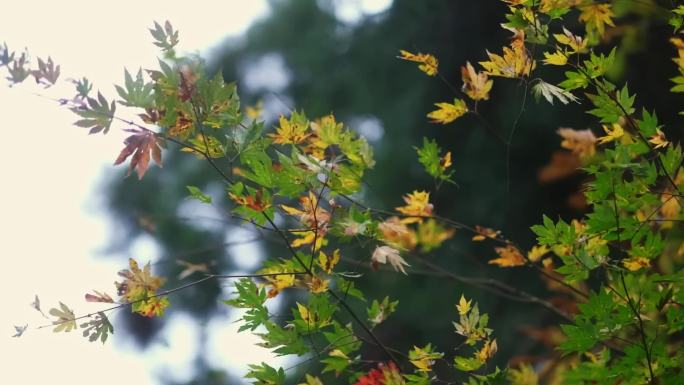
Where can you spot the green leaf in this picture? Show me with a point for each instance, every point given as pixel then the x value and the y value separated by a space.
pixel 196 193
pixel 97 114
pixel 264 374
pixel 137 93
pixel 97 328
pixel 551 92
pixel 66 319
pixel 467 364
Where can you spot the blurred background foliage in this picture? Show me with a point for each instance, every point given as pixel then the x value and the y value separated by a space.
pixel 303 57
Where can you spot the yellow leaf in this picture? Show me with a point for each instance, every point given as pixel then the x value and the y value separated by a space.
pixel 396 233
pixel 575 43
pixel 636 263
pixel 304 312
pixel 463 306
pixel 318 285
pixel 428 63
pixel 509 256
pixel 448 112
pixel 475 85
pixel 537 253
pixel 488 350
pixel 417 206
pixel 311 380
pixel 327 263
pixel 255 112
pixel 659 140
pixel 597 16
pixel 445 161
pixel 483 233
pixel 557 58
pixel 291 131
pixel 613 132
pixel 514 63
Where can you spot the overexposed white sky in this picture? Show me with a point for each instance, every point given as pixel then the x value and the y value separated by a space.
pixel 51 229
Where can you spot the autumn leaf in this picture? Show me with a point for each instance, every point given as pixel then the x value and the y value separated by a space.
pixel 575 43
pixel 581 142
pixel 138 283
pixel 658 140
pixel 292 131
pixel 98 297
pixel 509 256
pixel 448 112
pixel 396 233
pixel 143 144
pixel 596 17
pixel 551 92
pixel 487 351
pixel 66 319
pixel 386 254
pixel 428 63
pixel 514 62
pixel 636 263
pixel 423 358
pixel 483 233
pixel 463 306
pixel 558 58
pixel 417 207
pixel 328 262
pixel 537 252
pixel 36 305
pixel 613 132
pixel 475 85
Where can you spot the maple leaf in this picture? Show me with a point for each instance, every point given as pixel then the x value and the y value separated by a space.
pixel 428 63
pixel 396 233
pixel 165 37
pixel 183 126
pixel 463 306
pixel 597 16
pixel 279 279
pixel 97 328
pixel 98 297
pixel 137 282
pixel 448 112
pixel 423 358
pixel 191 268
pixel 46 73
pixel 614 132
pixel 328 262
pixel 658 140
pixel 431 234
pixel 318 285
pixel 581 142
pixel 636 263
pixel 417 206
pixel 19 330
pixel 549 92
pixel 475 85
pixel 558 58
pixel 487 351
pixel 311 380
pixel 311 214
pixel 97 114
pixel 509 256
pixel 292 131
pixel 385 254
pixel 514 62
pixel 576 44
pixel 537 253
pixel 143 144
pixel 66 319
pixel 483 233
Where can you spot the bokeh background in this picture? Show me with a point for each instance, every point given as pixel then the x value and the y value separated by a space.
pixel 70 219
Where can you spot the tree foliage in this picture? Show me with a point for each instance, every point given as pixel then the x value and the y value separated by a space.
pixel 614 276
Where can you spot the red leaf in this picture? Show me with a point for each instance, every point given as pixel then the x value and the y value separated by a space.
pixel 142 144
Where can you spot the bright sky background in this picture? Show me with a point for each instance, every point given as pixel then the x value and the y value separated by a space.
pixel 50 221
